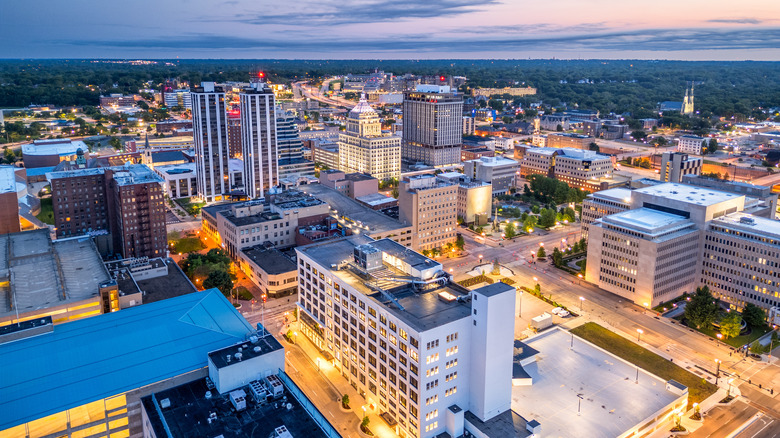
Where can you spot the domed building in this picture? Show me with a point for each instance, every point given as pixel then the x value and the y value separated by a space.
pixel 364 148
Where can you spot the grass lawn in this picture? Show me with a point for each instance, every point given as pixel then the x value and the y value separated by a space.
pixel 243 293
pixel 192 208
pixel 47 212
pixel 187 245
pixel 738 341
pixel 698 388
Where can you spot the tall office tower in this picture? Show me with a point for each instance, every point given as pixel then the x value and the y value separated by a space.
pixel 364 149
pixel 429 205
pixel 433 126
pixel 258 138
pixel 123 203
pixel 290 148
pixel 210 133
pixel 234 133
pixel 674 165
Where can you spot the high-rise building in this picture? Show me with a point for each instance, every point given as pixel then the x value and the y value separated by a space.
pixel 258 128
pixel 433 126
pixel 234 133
pixel 363 148
pixel 290 148
pixel 124 202
pixel 210 132
pixel 691 144
pixel 433 355
pixel 429 205
pixel 674 165
pixel 499 171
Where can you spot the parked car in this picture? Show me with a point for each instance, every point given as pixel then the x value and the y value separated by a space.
pixel 557 310
pixel 563 313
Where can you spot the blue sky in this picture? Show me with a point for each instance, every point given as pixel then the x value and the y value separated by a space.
pixel 397 29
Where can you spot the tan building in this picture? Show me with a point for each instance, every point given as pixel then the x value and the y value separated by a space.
pixel 272 271
pixel 325 153
pixel 363 148
pixel 354 185
pixel 429 204
pixel 568 140
pixel 513 91
pixel 474 196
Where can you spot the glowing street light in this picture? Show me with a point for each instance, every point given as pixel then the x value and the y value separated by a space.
pixel 582 300
pixel 639 334
pixel 717 370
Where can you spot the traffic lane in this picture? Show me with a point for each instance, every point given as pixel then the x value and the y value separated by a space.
pixel 722 421
pixel 763 427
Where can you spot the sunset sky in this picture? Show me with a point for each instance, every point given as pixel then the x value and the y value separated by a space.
pixel 347 29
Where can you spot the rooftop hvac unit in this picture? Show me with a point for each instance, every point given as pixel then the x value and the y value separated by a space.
pixel 282 432
pixel 258 390
pixel 165 403
pixel 238 399
pixel 275 386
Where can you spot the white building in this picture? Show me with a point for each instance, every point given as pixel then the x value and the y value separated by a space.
pixel 258 139
pixel 433 126
pixel 423 349
pixel 499 171
pixel 210 133
pixel 550 122
pixel 691 144
pixel 674 237
pixel 475 197
pixel 181 98
pixel 363 148
pixel 468 125
pixel 179 180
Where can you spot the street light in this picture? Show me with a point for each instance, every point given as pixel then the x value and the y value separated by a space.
pixel 731 380
pixel 639 334
pixel 582 299
pixel 580 277
pixel 720 337
pixel 646 305
pixel 717 371
pixel 536 279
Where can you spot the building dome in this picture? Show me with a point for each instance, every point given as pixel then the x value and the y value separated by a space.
pixel 362 108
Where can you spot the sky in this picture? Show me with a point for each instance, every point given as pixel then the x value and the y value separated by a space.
pixel 394 29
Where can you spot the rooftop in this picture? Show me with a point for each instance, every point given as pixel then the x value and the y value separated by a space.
pixel 158 279
pixel 751 224
pixel 176 169
pixel 37 273
pixel 646 220
pixel 7 179
pixel 580 154
pixel 187 416
pixel 54 147
pixel 113 353
pixel 250 349
pixel 128 174
pixel 272 261
pixel 353 210
pixel 612 402
pixel 422 309
pixel 376 199
pixel 568 134
pixel 688 194
pixel 168 156
pixel 495 161
pixel 618 195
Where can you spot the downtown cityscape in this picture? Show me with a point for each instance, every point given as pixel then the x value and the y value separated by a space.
pixel 374 219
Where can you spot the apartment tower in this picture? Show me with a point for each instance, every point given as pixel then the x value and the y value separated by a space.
pixel 258 129
pixel 210 134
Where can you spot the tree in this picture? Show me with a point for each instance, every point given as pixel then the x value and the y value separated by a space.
pixel 220 280
pixel 639 134
pixel 704 147
pixel 345 401
pixel 529 223
pixel 541 254
pixel 460 243
pixel 576 247
pixel 753 315
pixel 496 104
pixel 509 230
pixel 712 147
pixel 583 244
pixel 559 128
pixel 659 141
pixel 364 424
pixel 593 146
pixel 730 325
pixel 557 257
pixel 547 218
pixel 702 309
pixel 115 143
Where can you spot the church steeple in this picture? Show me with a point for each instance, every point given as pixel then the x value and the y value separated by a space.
pixel 688 101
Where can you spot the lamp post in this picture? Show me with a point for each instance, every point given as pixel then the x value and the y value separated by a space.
pixel 720 337
pixel 582 300
pixel 645 310
pixel 639 335
pixel 580 278
pixel 717 370
pixel 728 394
pixel 579 404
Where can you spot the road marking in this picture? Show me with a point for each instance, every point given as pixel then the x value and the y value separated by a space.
pixel 762 429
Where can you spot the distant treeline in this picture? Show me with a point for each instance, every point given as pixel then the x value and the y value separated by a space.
pixel 722 88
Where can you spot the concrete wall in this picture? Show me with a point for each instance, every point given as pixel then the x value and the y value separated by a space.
pixel 240 373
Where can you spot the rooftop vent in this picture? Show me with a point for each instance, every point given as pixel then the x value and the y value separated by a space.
pixel 747 220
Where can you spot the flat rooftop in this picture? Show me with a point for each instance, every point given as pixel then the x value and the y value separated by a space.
pixel 751 224
pixel 689 194
pixel 128 174
pixel 168 281
pixel 646 220
pixel 94 358
pixel 54 147
pixel 612 402
pixel 272 261
pixel 7 179
pixel 617 194
pixel 355 211
pixel 581 154
pixel 177 169
pixel 264 345
pixel 495 161
pixel 38 273
pixel 376 199
pixel 422 310
pixel 187 416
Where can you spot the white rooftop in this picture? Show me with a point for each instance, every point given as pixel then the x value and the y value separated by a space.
pixel 617 194
pixel 7 179
pixel 751 224
pixel 581 154
pixel 689 194
pixel 645 220
pixel 53 147
pixel 542 151
pixel 495 161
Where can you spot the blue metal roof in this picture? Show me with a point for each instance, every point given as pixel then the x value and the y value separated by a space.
pixel 94 358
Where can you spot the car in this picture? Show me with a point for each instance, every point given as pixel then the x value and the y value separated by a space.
pixel 557 310
pixel 563 313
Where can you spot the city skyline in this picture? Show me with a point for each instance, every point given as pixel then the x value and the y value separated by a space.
pixel 372 29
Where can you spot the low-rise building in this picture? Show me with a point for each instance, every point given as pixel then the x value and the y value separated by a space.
pixel 271 270
pixel 468 125
pixel 551 122
pixel 475 197
pixel 354 185
pixel 429 205
pixel 568 140
pixel 583 169
pixel 325 153
pixel 500 172
pixel 473 153
pixel 179 180
pixel 675 165
pixel 691 144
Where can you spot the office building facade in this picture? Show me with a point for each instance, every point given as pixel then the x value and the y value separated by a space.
pixel 675 165
pixel 210 133
pixel 258 126
pixel 363 148
pixel 429 205
pixel 357 304
pixel 500 172
pixel 433 126
pixel 290 148
pixel 691 144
